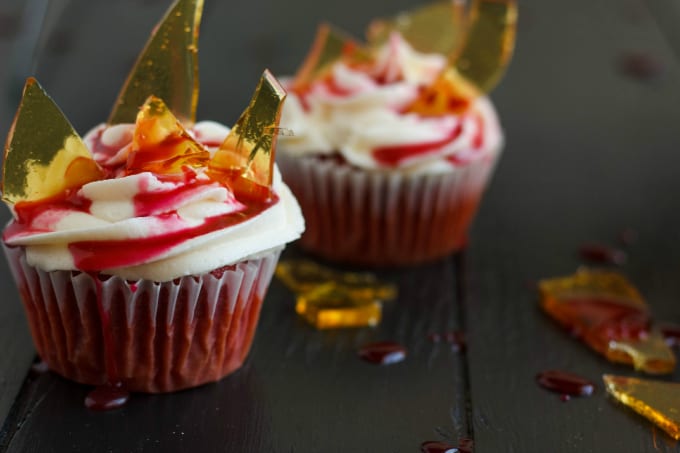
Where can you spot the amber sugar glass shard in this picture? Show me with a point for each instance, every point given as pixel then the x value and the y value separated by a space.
pixel 333 306
pixel 450 93
pixel 650 353
pixel 434 28
pixel 330 46
pixel 303 276
pixel 489 42
pixel 167 67
pixel 657 401
pixel 245 160
pixel 44 156
pixel 607 313
pixel 160 144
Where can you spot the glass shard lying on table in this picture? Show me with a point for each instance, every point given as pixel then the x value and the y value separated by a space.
pixel 329 305
pixel 330 299
pixel 658 401
pixel 605 311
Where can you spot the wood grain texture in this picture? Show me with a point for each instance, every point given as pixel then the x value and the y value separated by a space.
pixel 590 152
pixel 15 342
pixel 301 390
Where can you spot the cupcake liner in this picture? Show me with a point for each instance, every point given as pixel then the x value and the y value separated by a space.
pixel 149 336
pixel 384 218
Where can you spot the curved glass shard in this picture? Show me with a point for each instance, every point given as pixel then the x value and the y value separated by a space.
pixel 245 160
pixel 434 28
pixel 44 156
pixel 607 313
pixel 167 67
pixel 489 42
pixel 330 45
pixel 657 401
pixel 160 144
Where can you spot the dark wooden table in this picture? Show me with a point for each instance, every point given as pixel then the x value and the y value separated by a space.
pixel 590 105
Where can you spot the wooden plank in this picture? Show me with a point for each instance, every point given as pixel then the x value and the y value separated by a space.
pixel 301 389
pixel 590 152
pixel 15 342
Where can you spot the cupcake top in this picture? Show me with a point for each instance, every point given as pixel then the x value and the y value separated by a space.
pixel 147 196
pixel 389 107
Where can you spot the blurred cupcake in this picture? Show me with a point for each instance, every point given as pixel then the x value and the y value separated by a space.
pixel 392 146
pixel 143 252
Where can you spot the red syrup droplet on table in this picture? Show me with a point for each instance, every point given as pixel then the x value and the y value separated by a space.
pixel 455 338
pixel 437 447
pixel 602 254
pixel 628 236
pixel 566 383
pixel 107 397
pixel 432 446
pixel 641 66
pixel 383 353
pixel 670 332
pixel 40 367
pixel 465 445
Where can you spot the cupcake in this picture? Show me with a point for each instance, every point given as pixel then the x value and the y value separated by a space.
pixel 393 146
pixel 143 252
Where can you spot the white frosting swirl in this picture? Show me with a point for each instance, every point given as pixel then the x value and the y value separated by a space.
pixel 358 111
pixel 113 212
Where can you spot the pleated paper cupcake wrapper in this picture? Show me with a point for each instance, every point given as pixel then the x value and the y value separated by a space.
pixel 150 336
pixel 384 219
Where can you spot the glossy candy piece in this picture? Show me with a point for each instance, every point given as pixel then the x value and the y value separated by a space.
pixel 449 93
pixel 302 276
pixel 651 353
pixel 489 42
pixel 44 156
pixel 477 65
pixel 657 401
pixel 331 299
pixel 608 313
pixel 160 144
pixel 245 160
pixel 331 306
pixel 167 67
pixel 437 27
pixel 330 45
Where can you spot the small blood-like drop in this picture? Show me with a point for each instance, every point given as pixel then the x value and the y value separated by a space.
pixel 602 254
pixel 383 353
pixel 106 397
pixel 565 383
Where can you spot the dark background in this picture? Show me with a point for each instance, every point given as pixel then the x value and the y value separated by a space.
pixel 593 147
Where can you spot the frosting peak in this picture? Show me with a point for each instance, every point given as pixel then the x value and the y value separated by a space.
pixel 363 112
pixel 146 225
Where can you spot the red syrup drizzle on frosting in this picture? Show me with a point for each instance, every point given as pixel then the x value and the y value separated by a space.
pixel 154 202
pixel 111 395
pixel 27 211
pixel 565 383
pixel 392 156
pixel 383 353
pixel 95 255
